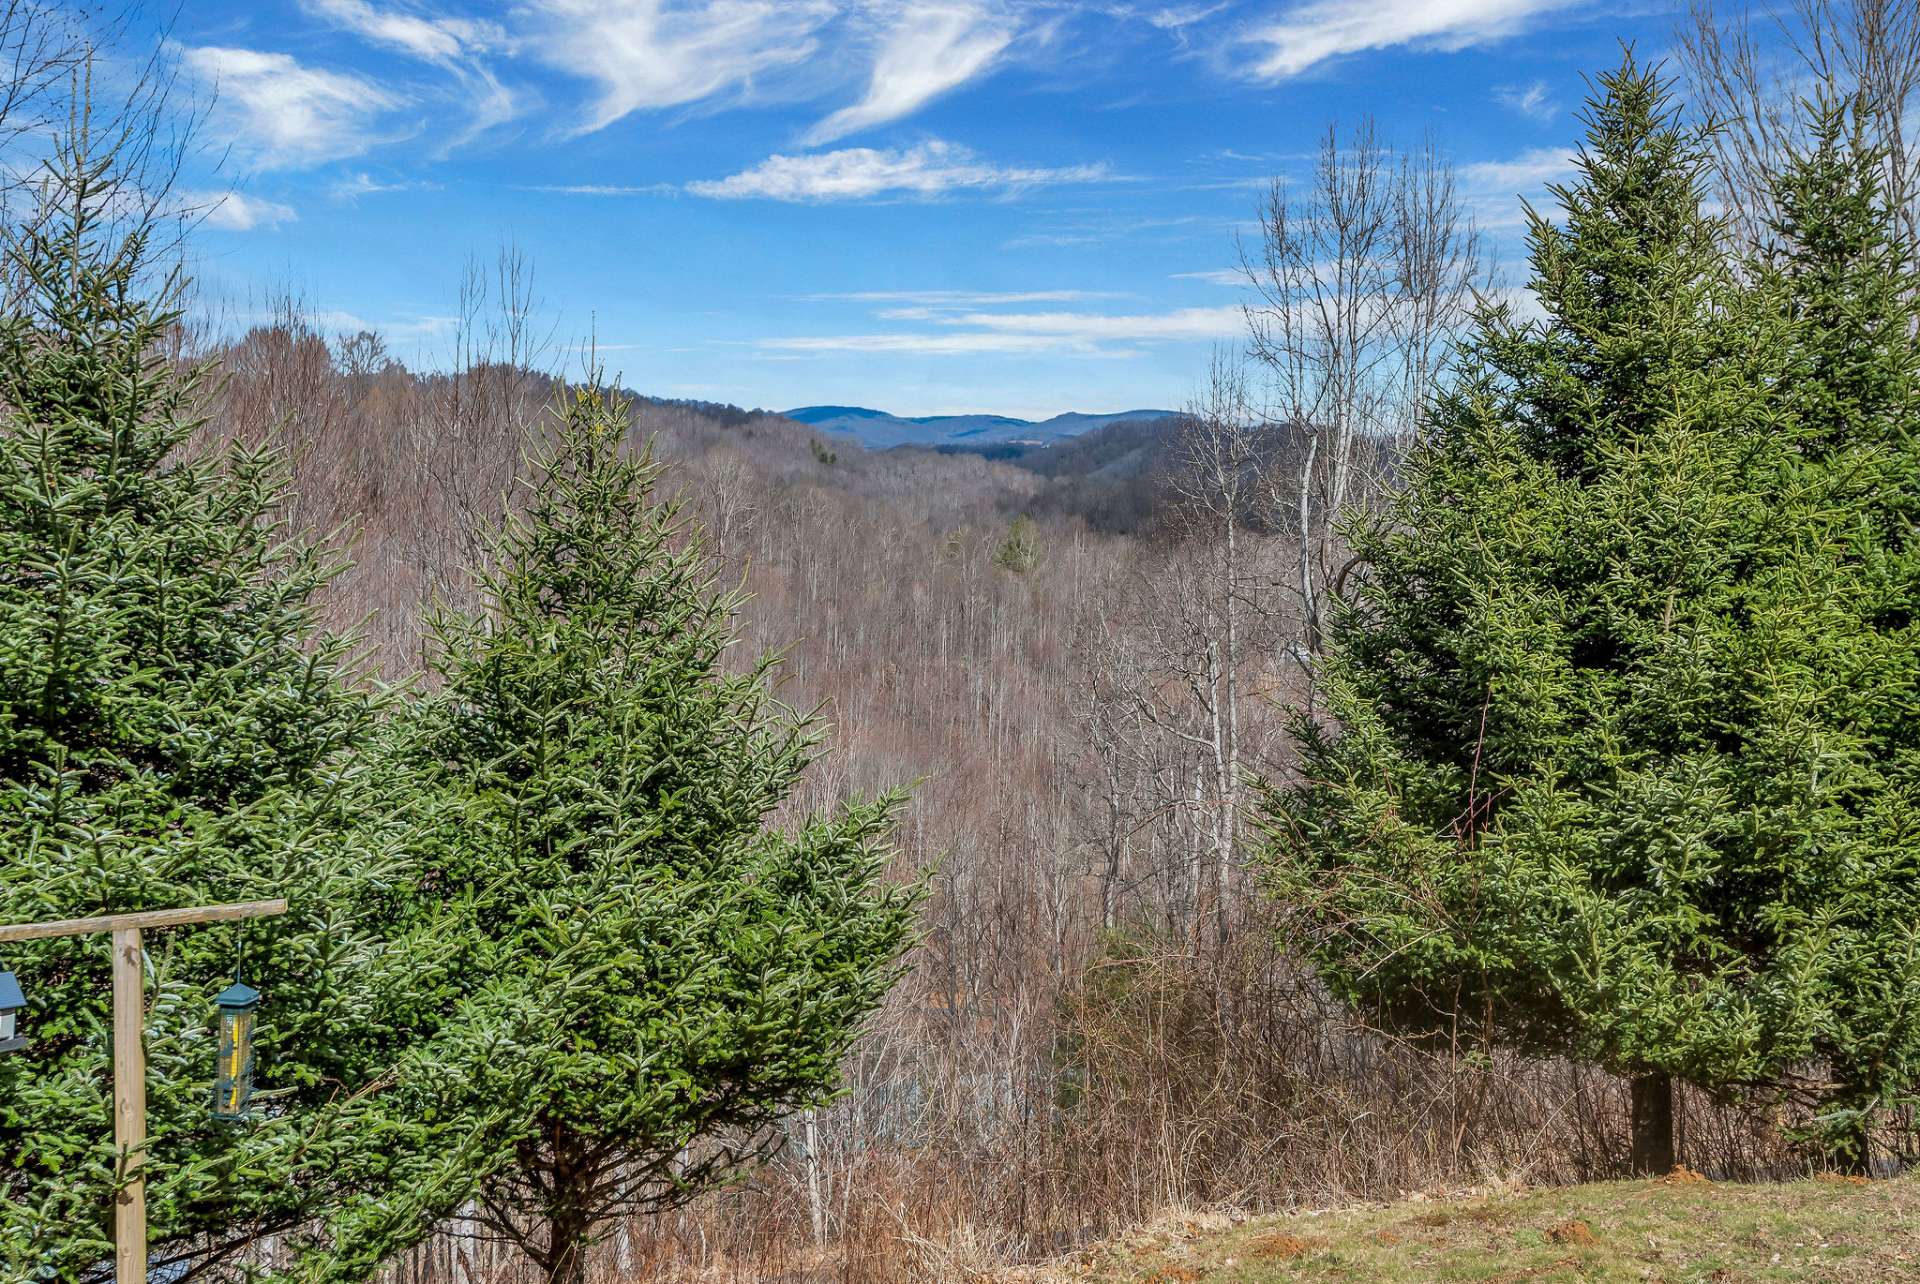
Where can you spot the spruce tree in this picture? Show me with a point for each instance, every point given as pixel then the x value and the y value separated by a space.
pixel 680 974
pixel 1840 278
pixel 175 730
pixel 1566 800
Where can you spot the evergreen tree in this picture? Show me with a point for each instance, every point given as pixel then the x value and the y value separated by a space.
pixel 1847 645
pixel 681 974
pixel 1019 551
pixel 176 731
pixel 1572 799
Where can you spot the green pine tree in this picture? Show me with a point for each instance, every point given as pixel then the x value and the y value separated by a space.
pixel 175 730
pixel 1846 650
pixel 1571 799
pixel 683 974
pixel 1019 551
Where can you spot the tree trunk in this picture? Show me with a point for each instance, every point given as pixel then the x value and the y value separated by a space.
pixel 1652 1125
pixel 567 1252
pixel 1858 1160
pixel 816 1202
pixel 569 1212
pixel 1854 1152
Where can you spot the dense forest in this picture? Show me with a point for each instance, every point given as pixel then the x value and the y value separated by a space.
pixel 1475 738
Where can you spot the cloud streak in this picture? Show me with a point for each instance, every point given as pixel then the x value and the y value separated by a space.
pixel 1215 276
pixel 646 55
pixel 605 189
pixel 431 39
pixel 927 51
pixel 861 173
pixel 925 345
pixel 1176 17
pixel 455 45
pixel 351 188
pixel 1494 189
pixel 972 333
pixel 1309 34
pixel 649 54
pixel 1528 171
pixel 236 211
pixel 1529 100
pixel 958 298
pixel 288 114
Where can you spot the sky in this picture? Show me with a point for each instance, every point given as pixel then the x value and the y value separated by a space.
pixel 1020 207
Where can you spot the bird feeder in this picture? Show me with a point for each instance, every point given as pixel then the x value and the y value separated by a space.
pixel 233 1079
pixel 12 1003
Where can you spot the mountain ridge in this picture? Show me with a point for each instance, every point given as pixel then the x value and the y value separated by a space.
pixel 881 430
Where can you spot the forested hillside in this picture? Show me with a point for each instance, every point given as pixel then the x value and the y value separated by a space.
pixel 1056 696
pixel 1469 748
pixel 1078 657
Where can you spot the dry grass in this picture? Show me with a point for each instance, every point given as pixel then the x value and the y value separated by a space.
pixel 1685 1231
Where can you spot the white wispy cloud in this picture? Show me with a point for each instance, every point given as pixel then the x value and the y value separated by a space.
pixel 1181 323
pixel 1173 17
pixel 288 114
pixel 419 327
pixel 235 211
pixel 648 54
pixel 1214 276
pixel 456 45
pixel 1526 172
pixel 927 50
pixel 1493 189
pixel 1529 100
pixel 1083 333
pixel 1184 23
pixel 926 345
pixel 958 298
pixel 645 55
pixel 1123 227
pixel 605 189
pixel 354 186
pixel 415 327
pixel 436 39
pixel 1308 34
pixel 857 173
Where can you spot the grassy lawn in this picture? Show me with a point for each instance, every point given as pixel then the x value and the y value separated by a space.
pixel 1680 1230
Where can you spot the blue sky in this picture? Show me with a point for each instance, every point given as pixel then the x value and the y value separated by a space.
pixel 1017 206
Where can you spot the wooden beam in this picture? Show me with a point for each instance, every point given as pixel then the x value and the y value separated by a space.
pixel 129 1051
pixel 143 920
pixel 129 1106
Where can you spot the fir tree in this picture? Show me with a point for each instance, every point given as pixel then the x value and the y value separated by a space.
pixel 1845 644
pixel 176 731
pixel 1568 802
pixel 682 974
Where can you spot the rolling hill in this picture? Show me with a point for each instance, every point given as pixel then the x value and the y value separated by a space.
pixel 878 430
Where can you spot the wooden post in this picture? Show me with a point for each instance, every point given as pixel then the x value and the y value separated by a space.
pixel 129 1051
pixel 129 1106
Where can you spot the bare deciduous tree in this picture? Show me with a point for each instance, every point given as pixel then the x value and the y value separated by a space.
pixel 1749 68
pixel 1362 275
pixel 1222 453
pixel 40 51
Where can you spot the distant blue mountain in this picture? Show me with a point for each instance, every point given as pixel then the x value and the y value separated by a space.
pixel 878 430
